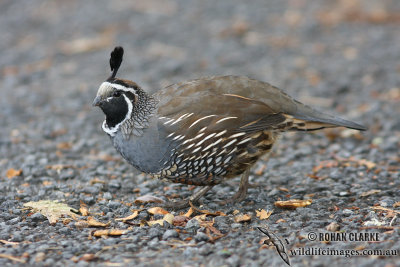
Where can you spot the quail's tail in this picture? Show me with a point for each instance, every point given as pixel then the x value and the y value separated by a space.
pixel 309 119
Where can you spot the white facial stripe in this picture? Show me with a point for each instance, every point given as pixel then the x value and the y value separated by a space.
pixel 107 86
pixel 113 130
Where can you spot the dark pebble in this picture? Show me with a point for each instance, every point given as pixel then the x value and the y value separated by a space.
pixel 200 236
pixel 170 233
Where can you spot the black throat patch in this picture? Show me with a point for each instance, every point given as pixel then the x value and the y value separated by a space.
pixel 115 110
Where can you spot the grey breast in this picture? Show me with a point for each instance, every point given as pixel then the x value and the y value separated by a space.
pixel 147 152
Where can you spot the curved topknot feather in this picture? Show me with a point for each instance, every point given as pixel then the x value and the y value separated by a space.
pixel 116 60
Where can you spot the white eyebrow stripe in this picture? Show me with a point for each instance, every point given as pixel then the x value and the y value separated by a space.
pixel 209 116
pixel 223 119
pixel 118 87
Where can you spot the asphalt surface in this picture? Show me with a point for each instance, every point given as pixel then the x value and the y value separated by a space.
pixel 341 57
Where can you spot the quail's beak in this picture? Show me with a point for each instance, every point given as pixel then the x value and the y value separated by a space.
pixel 96 101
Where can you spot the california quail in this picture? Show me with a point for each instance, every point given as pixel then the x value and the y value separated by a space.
pixel 202 131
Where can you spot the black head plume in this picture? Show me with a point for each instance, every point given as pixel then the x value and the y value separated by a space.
pixel 116 60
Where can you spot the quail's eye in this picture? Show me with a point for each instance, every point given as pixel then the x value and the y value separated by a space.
pixel 116 93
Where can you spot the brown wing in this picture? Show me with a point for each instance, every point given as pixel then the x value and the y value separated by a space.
pixel 260 96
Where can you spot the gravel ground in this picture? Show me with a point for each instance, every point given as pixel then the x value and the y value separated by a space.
pixel 339 56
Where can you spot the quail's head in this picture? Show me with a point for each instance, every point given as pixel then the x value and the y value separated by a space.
pixel 116 97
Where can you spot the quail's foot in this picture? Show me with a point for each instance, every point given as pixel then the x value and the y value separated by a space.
pixel 184 203
pixel 240 195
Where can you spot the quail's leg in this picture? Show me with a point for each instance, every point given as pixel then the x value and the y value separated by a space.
pixel 185 202
pixel 242 192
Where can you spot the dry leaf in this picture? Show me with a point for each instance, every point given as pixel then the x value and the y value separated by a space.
pixel 180 220
pixel 130 217
pixel 242 218
pixel 110 232
pixel 367 163
pixel 397 204
pixel 11 257
pixel 9 242
pixel 64 146
pixel 88 257
pixel 370 192
pixel 157 210
pixel 167 218
pixel 217 213
pixel 189 212
pixel 148 199
pixel 333 227
pixel 200 218
pixel 83 209
pixel 59 167
pixel 11 173
pixel 293 203
pixel 263 214
pixel 92 222
pixel 52 209
pixel 385 209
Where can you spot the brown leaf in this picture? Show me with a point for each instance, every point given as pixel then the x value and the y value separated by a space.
pixel 157 210
pixel 92 222
pixel 242 218
pixel 397 204
pixel 370 192
pixel 148 199
pixel 180 220
pixel 59 167
pixel 167 218
pixel 385 209
pixel 333 227
pixel 367 163
pixel 189 212
pixel 64 146
pixel 207 212
pixel 293 203
pixel 201 217
pixel 11 173
pixel 83 209
pixel 52 209
pixel 88 257
pixel 325 164
pixel 263 214
pixel 130 217
pixel 11 257
pixel 110 232
pixel 9 242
